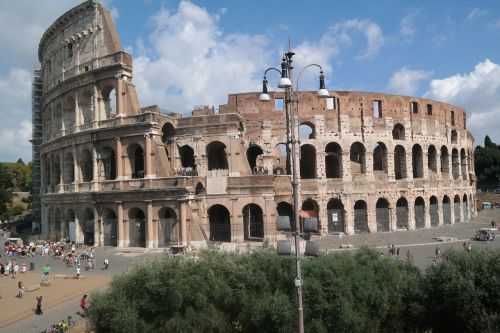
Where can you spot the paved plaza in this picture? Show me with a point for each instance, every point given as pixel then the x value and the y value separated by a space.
pixel 61 298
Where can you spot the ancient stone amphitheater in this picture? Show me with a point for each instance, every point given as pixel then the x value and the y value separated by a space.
pixel 110 172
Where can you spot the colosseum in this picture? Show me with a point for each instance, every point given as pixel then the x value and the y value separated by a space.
pixel 110 172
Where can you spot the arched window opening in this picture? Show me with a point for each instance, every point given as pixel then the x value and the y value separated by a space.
pixel 307 131
pixel 168 228
pixel 168 133
pixel 137 227
pixel 398 132
pixel 432 159
pixel 254 158
pixel 360 217
pixel 402 213
pixel 108 103
pixel 253 222
pixel 216 154
pixel 285 209
pixel 455 164
pixel 358 158
pixel 419 213
pixel 336 216
pixel 417 161
pixel 382 215
pixel 108 157
pixel 307 162
pixel 86 166
pixel 380 157
pixel 281 160
pixel 433 211
pixel 454 137
pixel 187 160
pixel 446 210
pixel 136 157
pixel 444 161
pixel 456 208
pixel 110 230
pixel 400 162
pixel 56 172
pixel 310 209
pixel 69 169
pixel 69 113
pixel 220 226
pixel 333 160
pixel 200 189
pixel 88 227
pixel 56 121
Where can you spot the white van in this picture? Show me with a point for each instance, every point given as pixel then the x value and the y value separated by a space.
pixel 17 241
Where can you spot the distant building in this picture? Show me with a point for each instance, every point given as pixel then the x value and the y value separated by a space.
pixel 117 174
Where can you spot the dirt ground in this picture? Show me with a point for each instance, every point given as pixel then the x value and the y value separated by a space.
pixel 60 290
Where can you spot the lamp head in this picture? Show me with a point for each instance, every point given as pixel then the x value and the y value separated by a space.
pixel 264 97
pixel 285 81
pixel 322 92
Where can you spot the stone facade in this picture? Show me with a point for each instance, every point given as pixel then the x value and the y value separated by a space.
pixel 116 174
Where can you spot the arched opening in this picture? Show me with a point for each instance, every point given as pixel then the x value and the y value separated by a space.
pixel 69 230
pixel 281 160
pixel 336 216
pixel 310 208
pixel 108 103
pixel 419 213
pixel 88 227
pixel 360 217
pixel 108 158
pixel 254 158
pixel 200 189
pixel 168 228
pixel 86 166
pixel 136 158
pixel 220 225
pixel 446 210
pixel 253 222
pixel 444 161
pixel 69 113
pixel 56 171
pixel 380 157
pixel 400 162
pixel 402 213
pixel 456 208
pixel 398 132
pixel 57 121
pixel 432 159
pixel 455 165
pixel 69 169
pixel 433 211
pixel 357 158
pixel 187 160
pixel 465 208
pixel 286 209
pixel 454 137
pixel 463 163
pixel 383 216
pixel 307 162
pixel 417 161
pixel 137 227
pixel 85 104
pixel 110 231
pixel 333 160
pixel 307 131
pixel 216 155
pixel 167 133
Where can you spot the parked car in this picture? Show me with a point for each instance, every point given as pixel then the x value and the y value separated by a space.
pixel 485 234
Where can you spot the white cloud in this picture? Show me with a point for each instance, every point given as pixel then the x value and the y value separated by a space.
pixel 406 81
pixel 371 31
pixel 475 13
pixel 407 26
pixel 478 92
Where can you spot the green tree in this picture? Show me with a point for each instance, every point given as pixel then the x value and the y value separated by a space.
pixel 487 163
pixel 5 191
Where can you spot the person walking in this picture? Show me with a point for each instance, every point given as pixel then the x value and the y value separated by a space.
pixel 78 272
pixel 15 270
pixel 106 264
pixel 20 289
pixel 46 272
pixel 438 252
pixel 38 310
pixel 84 305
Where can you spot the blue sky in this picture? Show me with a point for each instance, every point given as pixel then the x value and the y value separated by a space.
pixel 189 53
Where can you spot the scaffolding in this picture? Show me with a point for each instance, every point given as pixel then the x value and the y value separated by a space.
pixel 36 95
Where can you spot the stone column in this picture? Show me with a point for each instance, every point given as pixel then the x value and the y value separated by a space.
pixel 409 164
pixel 183 213
pixel 369 165
pixel 78 121
pixel 119 159
pixel 393 218
pixel 76 168
pixel 391 175
pixel 349 215
pixel 119 102
pixel 439 176
pixel 149 241
pixel 95 170
pixel 119 224
pixel 346 166
pixel 320 165
pixel 452 211
pixel 148 161
pixel 96 116
pixel 97 230
pixel 440 211
pixel 411 215
pixel 425 164
pixel 427 215
pixel 61 172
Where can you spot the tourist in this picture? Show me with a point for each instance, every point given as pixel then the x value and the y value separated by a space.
pixel 23 268
pixel 78 272
pixel 2 270
pixel 84 305
pixel 46 272
pixel 438 252
pixel 20 289
pixel 106 264
pixel 15 270
pixel 38 310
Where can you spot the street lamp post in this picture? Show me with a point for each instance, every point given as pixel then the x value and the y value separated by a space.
pixel 292 129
